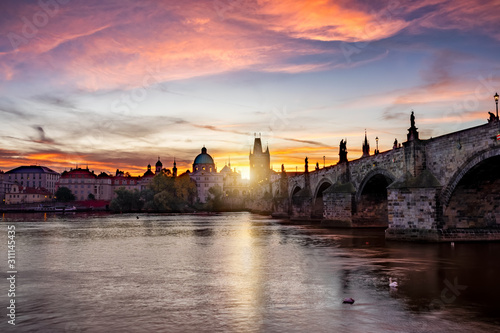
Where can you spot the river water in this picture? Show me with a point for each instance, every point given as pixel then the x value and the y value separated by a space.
pixel 239 272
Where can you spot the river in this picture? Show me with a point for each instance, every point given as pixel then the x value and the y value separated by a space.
pixel 238 272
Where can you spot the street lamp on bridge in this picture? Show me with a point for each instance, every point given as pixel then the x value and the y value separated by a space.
pixel 496 101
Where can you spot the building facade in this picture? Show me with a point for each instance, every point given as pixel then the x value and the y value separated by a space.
pixel 34 176
pixel 83 183
pixel 26 195
pixel 205 175
pixel 234 185
pixel 5 186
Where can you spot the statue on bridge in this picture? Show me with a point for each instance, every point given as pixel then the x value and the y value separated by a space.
pixel 343 151
pixel 307 165
pixel 492 117
pixel 412 131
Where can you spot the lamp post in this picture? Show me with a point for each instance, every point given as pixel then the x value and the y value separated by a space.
pixel 376 139
pixel 496 101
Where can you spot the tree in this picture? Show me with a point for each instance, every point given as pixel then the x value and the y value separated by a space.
pixel 185 189
pixel 166 193
pixel 64 194
pixel 91 196
pixel 126 201
pixel 214 201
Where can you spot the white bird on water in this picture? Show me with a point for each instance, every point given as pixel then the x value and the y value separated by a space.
pixel 392 284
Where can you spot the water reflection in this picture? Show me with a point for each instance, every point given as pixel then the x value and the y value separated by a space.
pixel 239 272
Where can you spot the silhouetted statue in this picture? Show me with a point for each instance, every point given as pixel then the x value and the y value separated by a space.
pixel 343 145
pixel 317 166
pixel 412 131
pixel 307 165
pixel 395 143
pixel 492 117
pixel 343 151
pixel 282 168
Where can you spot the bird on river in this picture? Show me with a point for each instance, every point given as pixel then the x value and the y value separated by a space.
pixel 392 284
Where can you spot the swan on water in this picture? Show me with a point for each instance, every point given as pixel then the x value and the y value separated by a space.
pixel 392 284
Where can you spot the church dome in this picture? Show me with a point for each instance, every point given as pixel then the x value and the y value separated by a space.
pixel 203 158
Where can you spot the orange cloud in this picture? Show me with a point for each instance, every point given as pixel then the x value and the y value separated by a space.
pixel 328 21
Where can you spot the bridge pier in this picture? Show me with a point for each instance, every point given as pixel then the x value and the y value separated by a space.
pixel 281 207
pixel 302 205
pixel 414 209
pixel 338 202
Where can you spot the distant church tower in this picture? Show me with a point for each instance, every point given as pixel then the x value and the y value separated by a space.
pixel 174 169
pixel 260 163
pixel 366 147
pixel 159 165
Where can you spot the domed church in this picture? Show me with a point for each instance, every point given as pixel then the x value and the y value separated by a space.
pixel 205 175
pixel 204 162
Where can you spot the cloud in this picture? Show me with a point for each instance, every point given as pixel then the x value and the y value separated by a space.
pixel 329 21
pixel 124 44
pixel 471 15
pixel 55 101
pixel 42 138
pixel 11 109
pixel 314 143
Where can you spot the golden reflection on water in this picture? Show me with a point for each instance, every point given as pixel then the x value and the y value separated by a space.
pixel 244 280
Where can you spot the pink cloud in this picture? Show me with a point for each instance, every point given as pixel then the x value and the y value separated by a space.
pixel 125 44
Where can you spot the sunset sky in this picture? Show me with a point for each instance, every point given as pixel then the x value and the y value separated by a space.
pixel 117 83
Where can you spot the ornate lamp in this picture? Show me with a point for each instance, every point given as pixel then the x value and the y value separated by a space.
pixel 496 101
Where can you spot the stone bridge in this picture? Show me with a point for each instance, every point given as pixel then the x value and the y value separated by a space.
pixel 440 189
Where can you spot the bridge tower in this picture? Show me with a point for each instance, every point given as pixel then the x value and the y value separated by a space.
pixel 260 163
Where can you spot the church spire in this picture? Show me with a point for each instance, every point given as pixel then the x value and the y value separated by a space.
pixel 174 169
pixel 366 147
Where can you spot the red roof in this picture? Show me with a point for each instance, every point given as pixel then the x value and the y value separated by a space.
pixel 78 173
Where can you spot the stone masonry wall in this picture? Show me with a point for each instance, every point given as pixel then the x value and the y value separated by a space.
pixel 337 209
pixel 413 208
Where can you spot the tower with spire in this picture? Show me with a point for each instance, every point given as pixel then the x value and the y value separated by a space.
pixel 366 147
pixel 174 169
pixel 260 162
pixel 159 166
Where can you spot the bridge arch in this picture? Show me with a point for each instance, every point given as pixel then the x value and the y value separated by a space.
pixel 378 175
pixel 318 203
pixel 296 189
pixel 371 198
pixel 464 169
pixel 471 197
